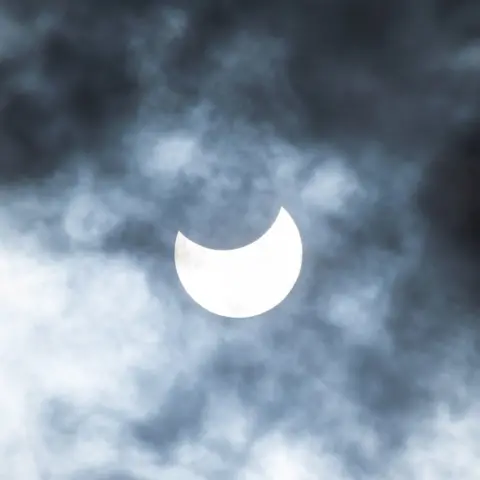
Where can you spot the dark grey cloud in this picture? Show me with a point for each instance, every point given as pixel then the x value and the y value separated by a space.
pixel 123 122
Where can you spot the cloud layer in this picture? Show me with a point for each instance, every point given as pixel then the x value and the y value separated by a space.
pixel 122 123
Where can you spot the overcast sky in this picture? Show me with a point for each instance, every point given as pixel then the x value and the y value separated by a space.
pixel 124 122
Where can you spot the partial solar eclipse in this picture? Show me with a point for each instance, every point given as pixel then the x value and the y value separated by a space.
pixel 242 282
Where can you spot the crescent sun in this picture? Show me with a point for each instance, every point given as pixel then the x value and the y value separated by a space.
pixel 242 282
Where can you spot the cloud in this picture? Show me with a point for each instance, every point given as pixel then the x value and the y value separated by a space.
pixel 122 123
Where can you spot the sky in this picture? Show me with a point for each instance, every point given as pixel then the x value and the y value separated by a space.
pixel 123 122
